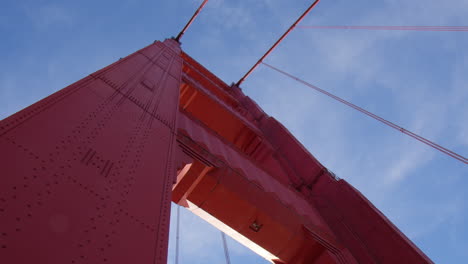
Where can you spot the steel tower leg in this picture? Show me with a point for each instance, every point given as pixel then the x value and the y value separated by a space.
pixel 86 173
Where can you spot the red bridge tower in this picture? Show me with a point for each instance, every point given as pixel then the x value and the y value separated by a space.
pixel 88 174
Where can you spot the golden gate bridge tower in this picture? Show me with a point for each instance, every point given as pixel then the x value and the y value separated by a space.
pixel 89 173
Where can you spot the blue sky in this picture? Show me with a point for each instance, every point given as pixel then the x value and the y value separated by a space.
pixel 416 79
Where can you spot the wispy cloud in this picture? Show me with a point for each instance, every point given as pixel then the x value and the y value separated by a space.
pixel 229 15
pixel 375 70
pixel 49 15
pixel 410 159
pixel 463 133
pixel 447 213
pixel 367 69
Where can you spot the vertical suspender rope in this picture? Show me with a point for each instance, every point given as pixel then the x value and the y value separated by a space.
pixel 278 42
pixel 191 21
pixel 226 251
pixel 177 236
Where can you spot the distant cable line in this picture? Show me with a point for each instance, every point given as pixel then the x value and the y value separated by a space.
pixel 226 250
pixel 395 28
pixel 376 117
pixel 177 236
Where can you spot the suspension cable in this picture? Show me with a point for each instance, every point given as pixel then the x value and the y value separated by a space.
pixel 378 118
pixel 277 42
pixel 226 251
pixel 177 236
pixel 191 21
pixel 401 28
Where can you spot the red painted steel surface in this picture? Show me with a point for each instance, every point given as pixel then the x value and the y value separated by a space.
pixel 86 172
pixel 361 226
pixel 261 185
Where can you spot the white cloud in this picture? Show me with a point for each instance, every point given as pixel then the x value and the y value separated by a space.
pixel 44 17
pixel 463 133
pixel 228 15
pixel 337 136
pixel 381 164
pixel 447 212
pixel 410 159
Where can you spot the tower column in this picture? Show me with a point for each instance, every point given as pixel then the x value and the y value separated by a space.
pixel 87 172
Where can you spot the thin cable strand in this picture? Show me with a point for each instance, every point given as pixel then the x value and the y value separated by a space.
pixel 376 117
pixel 395 28
pixel 226 251
pixel 177 236
pixel 190 21
pixel 277 42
